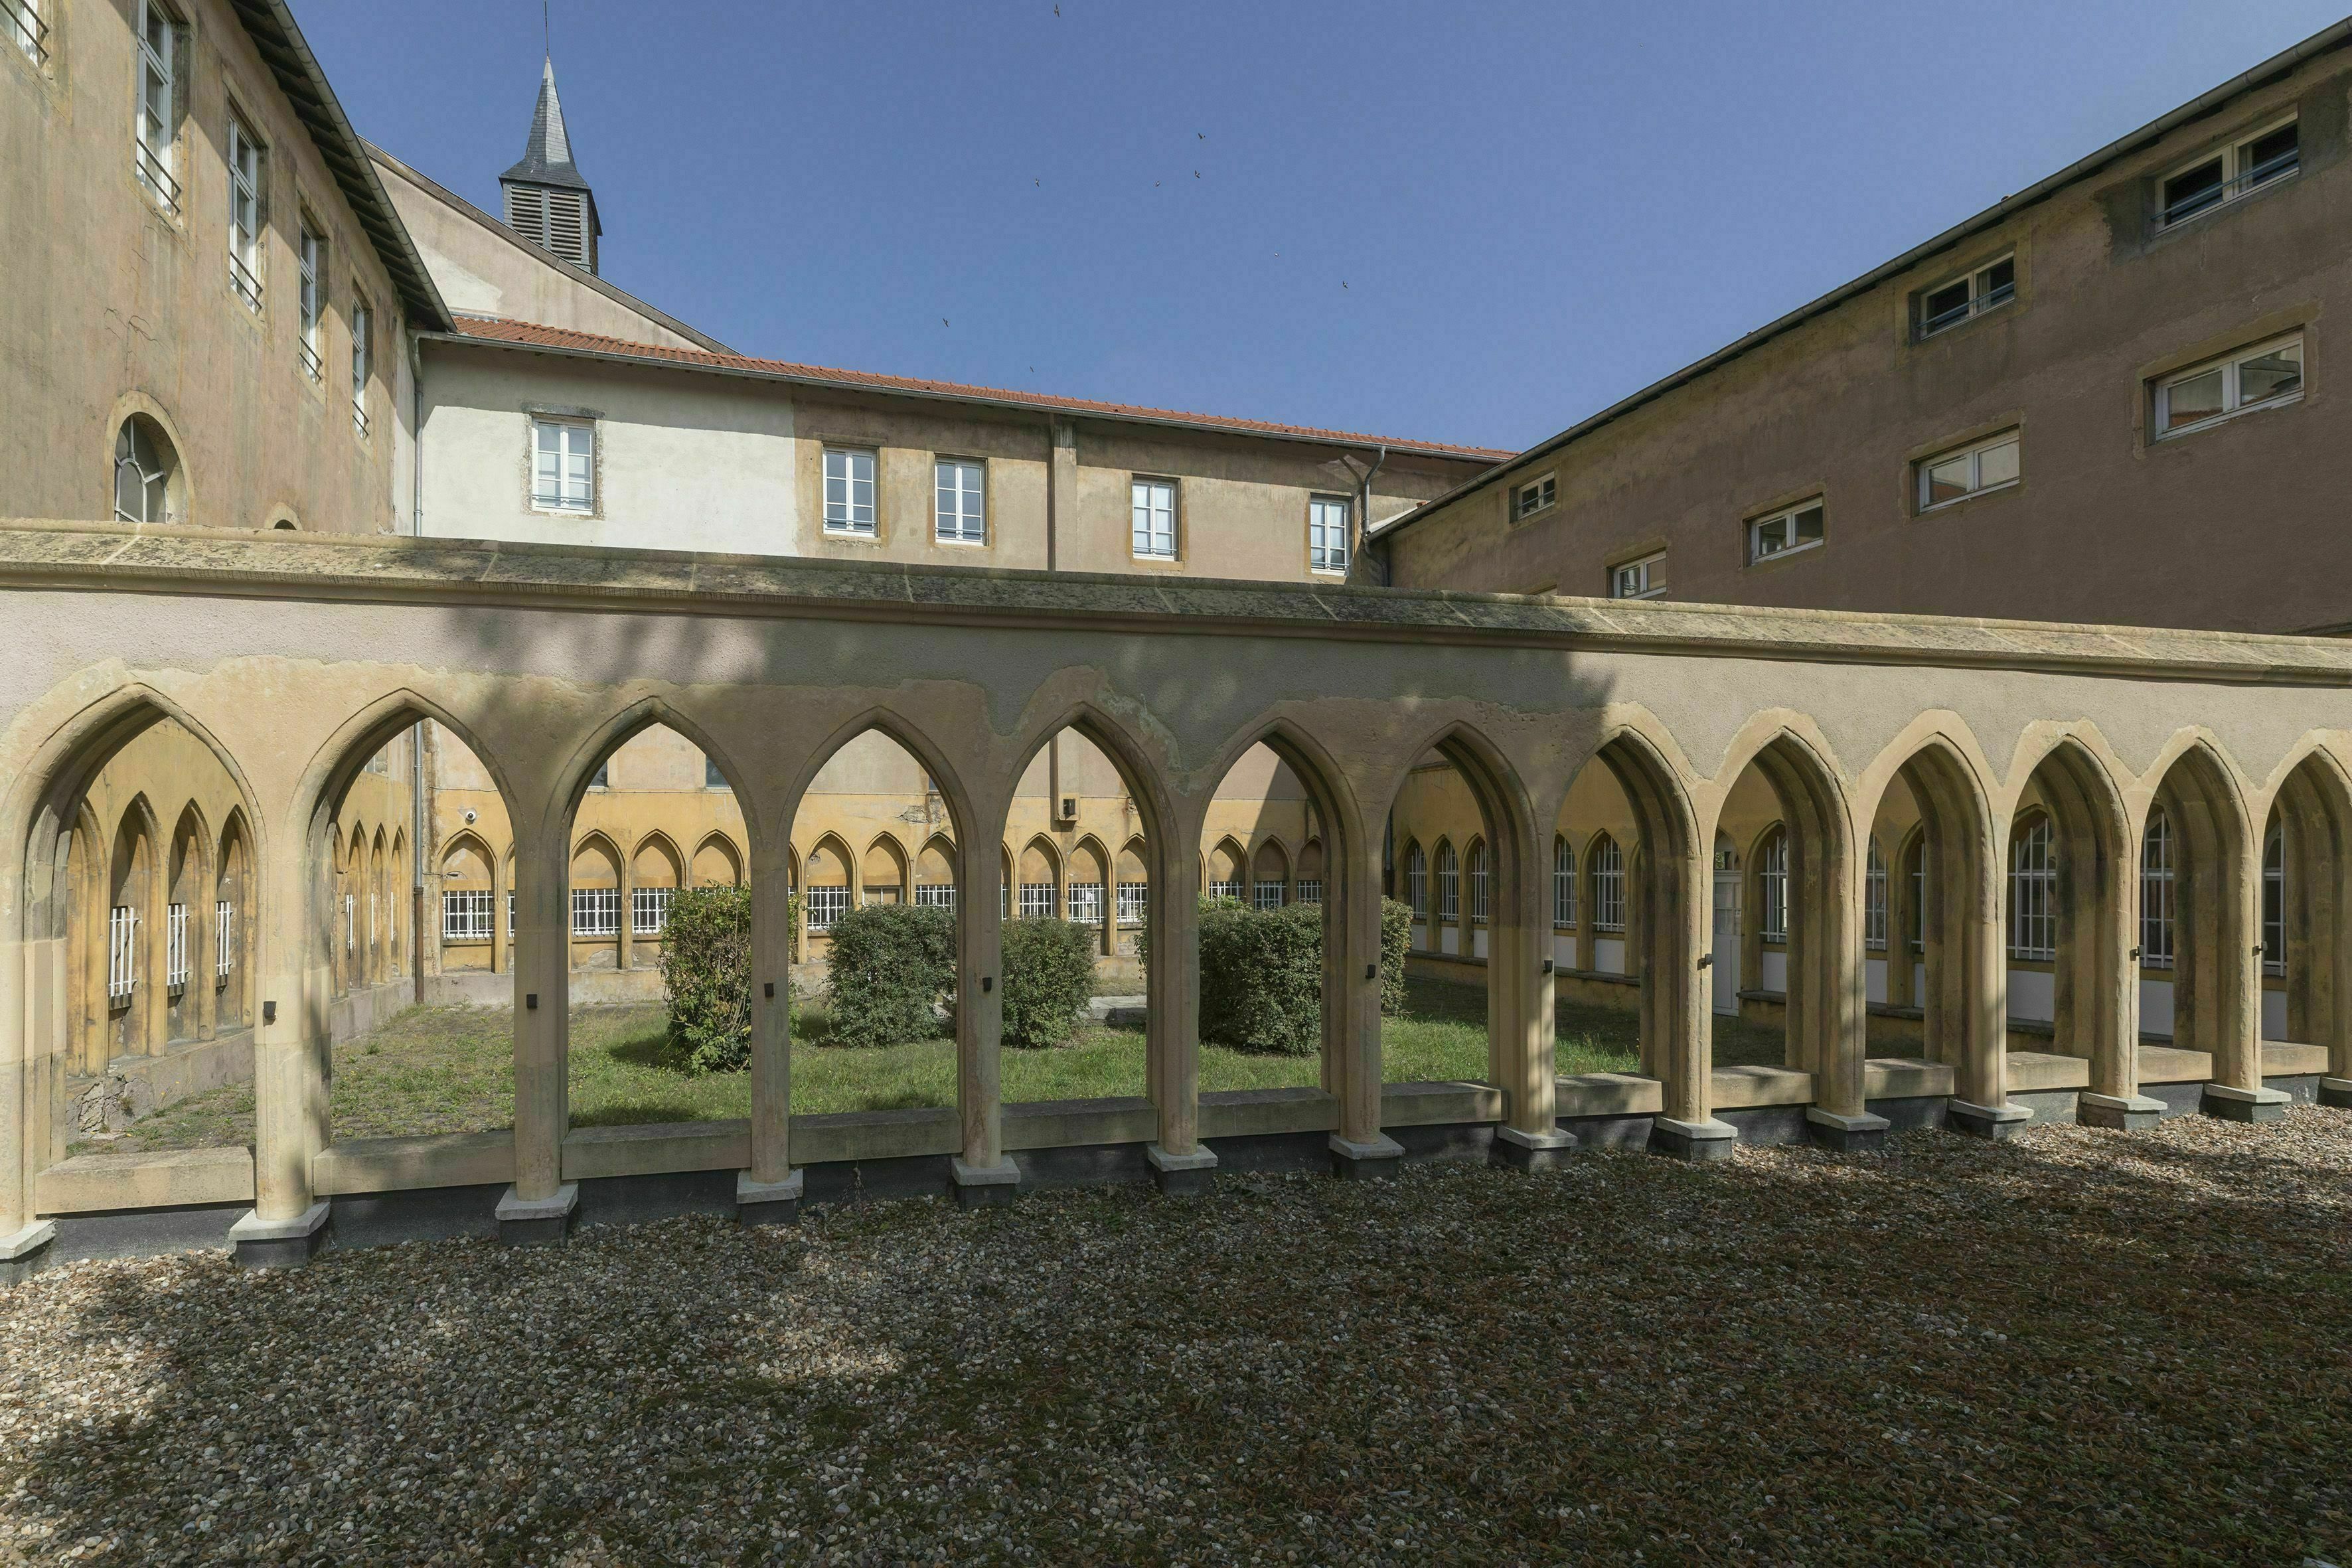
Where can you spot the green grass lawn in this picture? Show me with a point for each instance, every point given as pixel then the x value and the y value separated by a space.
pixel 451 1070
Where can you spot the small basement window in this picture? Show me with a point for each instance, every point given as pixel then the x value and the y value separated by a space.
pixel 1949 304
pixel 1798 528
pixel 1641 579
pixel 2228 172
pixel 2259 378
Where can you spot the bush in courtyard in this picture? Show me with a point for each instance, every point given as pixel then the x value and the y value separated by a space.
pixel 1396 937
pixel 1262 977
pixel 892 966
pixel 705 967
pixel 1049 972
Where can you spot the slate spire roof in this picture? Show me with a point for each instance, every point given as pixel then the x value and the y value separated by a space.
pixel 547 155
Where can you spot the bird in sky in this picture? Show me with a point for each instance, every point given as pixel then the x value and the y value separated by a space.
pixel 1343 282
pixel 943 321
pixel 1196 174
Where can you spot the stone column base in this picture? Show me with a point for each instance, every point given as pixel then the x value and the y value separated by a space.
pixel 1843 1134
pixel 2336 1091
pixel 257 1243
pixel 983 1186
pixel 1546 1151
pixel 1698 1141
pixel 1192 1175
pixel 538 1221
pixel 1994 1124
pixel 1354 1162
pixel 768 1202
pixel 2244 1104
pixel 2121 1113
pixel 26 1252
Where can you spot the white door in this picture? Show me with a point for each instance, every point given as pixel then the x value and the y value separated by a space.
pixel 1727 941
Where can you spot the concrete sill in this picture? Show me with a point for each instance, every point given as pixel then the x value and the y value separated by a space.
pixel 1607 1094
pixel 1600 976
pixel 2164 1064
pixel 398 1164
pixel 1434 1104
pixel 1738 1088
pixel 1256 1112
pixel 169 1179
pixel 1064 1123
pixel 877 1134
pixel 2044 1070
pixel 1904 1077
pixel 2284 1058
pixel 653 1147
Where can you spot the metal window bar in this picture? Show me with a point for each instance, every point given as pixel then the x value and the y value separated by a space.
pixel 1086 903
pixel 31 32
pixel 935 895
pixel 2274 905
pixel 1416 883
pixel 1310 890
pixel 312 366
pixel 121 952
pixel 2207 197
pixel 1874 901
pixel 1609 887
pixel 249 287
pixel 1134 901
pixel 159 178
pixel 1449 886
pixel 176 946
pixel 1478 885
pixel 649 911
pixel 1037 900
pixel 466 914
pixel 224 939
pixel 1774 875
pixel 595 911
pixel 2033 896
pixel 824 906
pixel 1267 895
pixel 2158 895
pixel 1563 884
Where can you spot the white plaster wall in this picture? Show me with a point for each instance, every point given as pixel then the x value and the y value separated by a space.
pixel 2032 994
pixel 2275 1016
pixel 2155 1006
pixel 1608 955
pixel 1873 979
pixel 1563 952
pixel 1775 968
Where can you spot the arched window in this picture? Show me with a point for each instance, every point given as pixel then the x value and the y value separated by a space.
pixel 1563 883
pixel 1874 900
pixel 1416 881
pixel 1478 882
pixel 2033 894
pixel 1608 864
pixel 144 469
pixel 2275 902
pixel 1449 884
pixel 2158 892
pixel 1772 873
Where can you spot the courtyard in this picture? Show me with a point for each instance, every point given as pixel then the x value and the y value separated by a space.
pixel 2076 1347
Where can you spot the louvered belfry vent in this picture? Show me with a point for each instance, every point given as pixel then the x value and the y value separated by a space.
pixel 548 202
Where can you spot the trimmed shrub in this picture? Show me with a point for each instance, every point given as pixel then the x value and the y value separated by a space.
pixel 892 965
pixel 1262 977
pixel 1396 938
pixel 1049 971
pixel 705 967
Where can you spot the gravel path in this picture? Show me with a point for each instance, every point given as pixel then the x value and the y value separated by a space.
pixel 2079 1348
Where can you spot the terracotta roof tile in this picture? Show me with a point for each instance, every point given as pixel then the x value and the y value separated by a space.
pixel 531 334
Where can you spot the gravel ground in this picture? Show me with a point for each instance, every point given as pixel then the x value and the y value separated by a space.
pixel 2079 1348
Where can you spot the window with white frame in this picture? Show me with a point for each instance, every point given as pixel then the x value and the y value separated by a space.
pixel 1643 579
pixel 2158 892
pixel 466 914
pixel 1416 882
pixel 849 490
pixel 1449 885
pixel 312 302
pixel 1919 895
pixel 1983 288
pixel 1534 496
pixel 562 465
pixel 1772 873
pixel 156 119
pixel 1037 900
pixel 595 911
pixel 2261 377
pixel 1310 890
pixel 649 911
pixel 1785 531
pixel 1134 902
pixel 1478 905
pixel 2215 178
pixel 824 906
pixel 2033 894
pixel 351 923
pixel 2274 903
pixel 1086 903
pixel 962 516
pixel 121 952
pixel 244 214
pixel 1563 883
pixel 1874 900
pixel 1152 503
pixel 1231 891
pixel 1268 894
pixel 935 896
pixel 510 913
pixel 361 322
pixel 27 26
pixel 224 939
pixel 1327 535
pixel 1608 886
pixel 176 946
pixel 1955 476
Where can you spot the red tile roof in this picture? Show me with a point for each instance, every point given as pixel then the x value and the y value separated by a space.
pixel 531 335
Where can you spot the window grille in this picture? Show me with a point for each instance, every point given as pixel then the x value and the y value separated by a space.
pixel 2033 894
pixel 848 491
pixel 1268 894
pixel 1086 903
pixel 25 25
pixel 1874 900
pixel 1772 869
pixel 1608 886
pixel 1153 502
pixel 824 906
pixel 649 911
pixel 563 465
pixel 223 937
pixel 1134 901
pixel 1037 900
pixel 1326 536
pixel 1563 883
pixel 1919 897
pixel 1310 890
pixel 466 914
pixel 2274 903
pixel 1449 885
pixel 157 116
pixel 1478 884
pixel 121 951
pixel 595 911
pixel 244 214
pixel 176 946
pixel 935 895
pixel 359 365
pixel 1416 882
pixel 1232 891
pixel 351 923
pixel 307 340
pixel 2158 893
pixel 962 517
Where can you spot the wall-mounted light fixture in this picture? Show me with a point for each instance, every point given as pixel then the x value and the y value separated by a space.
pixel 269 1012
pixel 531 1001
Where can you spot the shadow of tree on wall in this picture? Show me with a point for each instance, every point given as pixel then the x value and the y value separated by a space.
pixel 2080 1347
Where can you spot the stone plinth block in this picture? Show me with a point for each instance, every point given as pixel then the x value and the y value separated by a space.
pixel 768 1202
pixel 984 1186
pixel 2120 1113
pixel 1843 1134
pixel 1546 1151
pixel 1996 1123
pixel 1354 1162
pixel 25 1253
pixel 259 1243
pixel 538 1221
pixel 1192 1175
pixel 2244 1104
pixel 1692 1140
pixel 2336 1091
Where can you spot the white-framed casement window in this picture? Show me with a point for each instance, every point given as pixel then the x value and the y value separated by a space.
pixel 1310 890
pixel 1228 890
pixel 1563 883
pixel 1643 579
pixel 175 947
pixel 244 214
pixel 649 911
pixel 1416 882
pixel 595 911
pixel 2275 902
pixel 28 28
pixel 2033 894
pixel 1974 292
pixel 312 251
pixel 1134 902
pixel 1772 873
pixel 1970 471
pixel 1327 535
pixel 1086 903
pixel 962 507
pixel 1449 885
pixel 1153 505
pixel 1268 894
pixel 562 465
pixel 2263 376
pixel 362 320
pixel 849 491
pixel 935 896
pixel 2223 175
pixel 121 952
pixel 466 914
pixel 1874 900
pixel 1478 905
pixel 1037 900
pixel 1531 497
pixel 1608 887
pixel 1786 531
pixel 155 122
pixel 223 937
pixel 2158 892
pixel 824 906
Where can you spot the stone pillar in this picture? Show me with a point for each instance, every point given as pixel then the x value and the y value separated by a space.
pixel 770 1192
pixel 1677 911
pixel 290 1047
pixel 2236 1092
pixel 1968 887
pixel 1519 1000
pixel 152 1003
pixel 1180 1164
pixel 1836 981
pixel 625 944
pixel 501 960
pixel 204 945
pixel 538 1206
pixel 983 1173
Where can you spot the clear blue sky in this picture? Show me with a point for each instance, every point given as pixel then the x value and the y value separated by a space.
pixel 1535 209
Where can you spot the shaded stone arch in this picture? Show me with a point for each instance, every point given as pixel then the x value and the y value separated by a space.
pixel 717 845
pixel 2217 879
pixel 2094 992
pixel 2311 811
pixel 594 750
pixel 886 855
pixel 1226 867
pixel 1667 930
pixel 236 884
pixel 664 858
pixel 934 864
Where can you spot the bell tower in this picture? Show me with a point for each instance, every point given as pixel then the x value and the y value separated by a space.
pixel 547 200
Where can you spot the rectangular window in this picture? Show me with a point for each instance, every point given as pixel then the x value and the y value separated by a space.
pixel 562 465
pixel 306 341
pixel 2261 377
pixel 2274 903
pixel 1608 887
pixel 1227 891
pixel 1327 535
pixel 848 491
pixel 1134 900
pixel 935 896
pixel 1534 496
pixel 1798 528
pixel 1774 876
pixel 2033 895
pixel 466 914
pixel 1988 465
pixel 1153 502
pixel 1037 900
pixel 244 214
pixel 351 922
pixel 1643 579
pixel 2271 154
pixel 1449 886
pixel 1478 885
pixel 1563 883
pixel 824 906
pixel 155 123
pixel 223 937
pixel 649 911
pixel 1310 890
pixel 359 322
pixel 1949 304
pixel 1416 883
pixel 963 515
pixel 25 25
pixel 595 911
pixel 121 952
pixel 1874 901
pixel 176 946
pixel 1086 903
pixel 1267 895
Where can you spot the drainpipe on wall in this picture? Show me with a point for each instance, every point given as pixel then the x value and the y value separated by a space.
pixel 416 731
